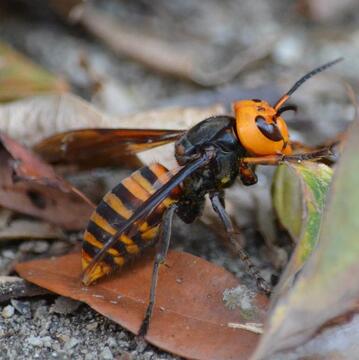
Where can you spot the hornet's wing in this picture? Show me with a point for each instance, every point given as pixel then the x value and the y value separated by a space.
pixel 101 147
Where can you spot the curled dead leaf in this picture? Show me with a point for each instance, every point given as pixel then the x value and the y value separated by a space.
pixel 30 186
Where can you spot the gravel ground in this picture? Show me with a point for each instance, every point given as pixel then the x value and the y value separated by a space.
pixel 41 327
pixel 55 327
pixel 40 332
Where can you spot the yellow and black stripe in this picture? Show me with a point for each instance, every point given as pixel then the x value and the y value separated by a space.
pixel 116 207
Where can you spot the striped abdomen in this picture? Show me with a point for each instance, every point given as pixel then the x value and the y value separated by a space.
pixel 115 208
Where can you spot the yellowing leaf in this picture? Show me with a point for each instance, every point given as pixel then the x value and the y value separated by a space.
pixel 19 77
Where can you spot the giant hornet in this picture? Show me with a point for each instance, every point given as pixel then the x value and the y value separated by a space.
pixel 138 212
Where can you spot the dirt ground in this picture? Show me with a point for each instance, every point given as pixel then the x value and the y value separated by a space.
pixel 293 37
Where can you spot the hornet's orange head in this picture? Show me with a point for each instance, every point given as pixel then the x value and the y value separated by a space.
pixel 260 126
pixel 260 129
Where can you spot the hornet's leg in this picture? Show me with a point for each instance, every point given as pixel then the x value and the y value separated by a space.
pixel 279 158
pixel 164 242
pixel 219 209
pixel 247 174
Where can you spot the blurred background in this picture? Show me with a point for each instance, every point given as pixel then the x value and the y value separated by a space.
pixel 127 57
pixel 130 56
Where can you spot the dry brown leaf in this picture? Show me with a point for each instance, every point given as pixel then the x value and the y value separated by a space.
pixel 190 318
pixel 30 186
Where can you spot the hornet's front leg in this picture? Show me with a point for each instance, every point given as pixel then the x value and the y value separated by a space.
pixel 247 174
pixel 280 158
pixel 218 207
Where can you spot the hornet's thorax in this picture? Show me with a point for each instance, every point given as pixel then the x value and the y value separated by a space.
pixel 217 136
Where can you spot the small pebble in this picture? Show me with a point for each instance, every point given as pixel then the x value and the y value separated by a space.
pixel 64 306
pixel 59 247
pixel 34 340
pixel 92 326
pixel 106 354
pixel 71 343
pixel 23 307
pixel 41 312
pixel 111 342
pixel 122 335
pixel 64 338
pixel 8 311
pixel 38 246
pixel 47 341
pixel 89 356
pixel 26 246
pixel 148 355
pixel 126 356
pixel 9 254
pixel 141 344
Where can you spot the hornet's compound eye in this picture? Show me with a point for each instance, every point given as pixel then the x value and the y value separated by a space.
pixel 270 131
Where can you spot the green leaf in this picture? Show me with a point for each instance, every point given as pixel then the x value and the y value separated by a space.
pixel 19 77
pixel 299 193
pixel 328 285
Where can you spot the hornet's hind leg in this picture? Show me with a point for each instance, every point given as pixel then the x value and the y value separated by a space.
pixel 164 242
pixel 219 209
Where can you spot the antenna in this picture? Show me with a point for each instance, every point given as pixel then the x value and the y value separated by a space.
pixel 302 80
